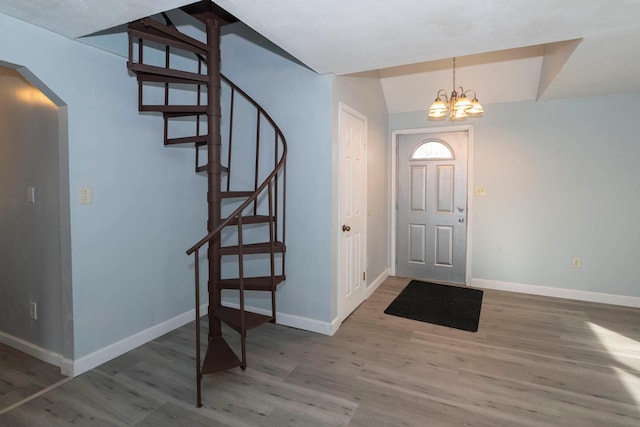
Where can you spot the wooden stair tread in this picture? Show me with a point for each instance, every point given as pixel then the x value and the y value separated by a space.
pixel 254 248
pixel 186 110
pixel 155 78
pixel 173 114
pixel 203 168
pixel 170 73
pixel 219 357
pixel 186 140
pixel 231 316
pixel 150 29
pixel 251 283
pixel 235 194
pixel 252 219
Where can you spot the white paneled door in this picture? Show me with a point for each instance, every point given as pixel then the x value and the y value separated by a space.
pixel 353 210
pixel 431 233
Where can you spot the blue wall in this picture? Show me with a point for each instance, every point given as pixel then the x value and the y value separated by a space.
pixel 300 102
pixel 562 181
pixel 129 270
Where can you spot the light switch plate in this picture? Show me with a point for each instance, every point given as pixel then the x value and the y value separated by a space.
pixel 481 191
pixel 31 194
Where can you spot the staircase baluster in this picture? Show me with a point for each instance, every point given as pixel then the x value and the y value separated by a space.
pixel 198 99
pixel 243 327
pixel 257 169
pixel 140 61
pixel 167 55
pixel 166 128
pixel 196 255
pixel 272 265
pixel 231 109
pixel 275 160
pixel 284 198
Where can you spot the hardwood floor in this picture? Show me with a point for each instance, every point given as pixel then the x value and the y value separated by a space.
pixel 535 361
pixel 22 375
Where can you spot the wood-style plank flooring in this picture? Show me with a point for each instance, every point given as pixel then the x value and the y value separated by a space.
pixel 22 375
pixel 535 361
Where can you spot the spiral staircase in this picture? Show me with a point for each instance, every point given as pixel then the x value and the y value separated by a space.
pixel 242 152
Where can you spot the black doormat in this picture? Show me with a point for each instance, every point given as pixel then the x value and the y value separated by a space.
pixel 452 306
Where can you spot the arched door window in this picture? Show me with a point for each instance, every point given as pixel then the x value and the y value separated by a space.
pixel 432 150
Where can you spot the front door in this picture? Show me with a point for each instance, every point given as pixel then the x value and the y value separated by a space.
pixel 432 206
pixel 353 210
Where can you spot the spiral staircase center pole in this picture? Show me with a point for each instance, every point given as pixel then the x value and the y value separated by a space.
pixel 214 142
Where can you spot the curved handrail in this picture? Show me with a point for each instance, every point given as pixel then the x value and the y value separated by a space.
pixel 261 187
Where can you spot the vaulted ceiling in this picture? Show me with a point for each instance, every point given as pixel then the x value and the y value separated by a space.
pixel 508 50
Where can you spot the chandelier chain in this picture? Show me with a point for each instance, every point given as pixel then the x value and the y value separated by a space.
pixel 454 73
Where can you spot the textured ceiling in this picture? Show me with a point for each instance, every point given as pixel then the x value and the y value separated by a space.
pixel 508 50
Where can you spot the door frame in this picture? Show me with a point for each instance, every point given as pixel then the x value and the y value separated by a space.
pixel 394 186
pixel 342 107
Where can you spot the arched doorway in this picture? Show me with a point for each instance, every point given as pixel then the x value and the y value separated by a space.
pixel 35 254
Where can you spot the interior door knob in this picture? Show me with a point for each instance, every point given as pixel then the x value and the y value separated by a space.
pixel 346 228
pixel 460 220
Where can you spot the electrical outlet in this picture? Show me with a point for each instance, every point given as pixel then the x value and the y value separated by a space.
pixel 33 310
pixel 85 196
pixel 575 262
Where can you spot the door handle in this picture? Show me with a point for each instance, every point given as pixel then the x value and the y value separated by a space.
pixel 346 228
pixel 460 210
pixel 460 220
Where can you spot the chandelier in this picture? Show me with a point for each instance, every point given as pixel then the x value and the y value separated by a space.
pixel 457 105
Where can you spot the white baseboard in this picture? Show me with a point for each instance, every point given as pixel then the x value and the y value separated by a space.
pixel 116 349
pixel 376 283
pixel 291 320
pixel 305 323
pixel 574 294
pixel 371 288
pixel 31 349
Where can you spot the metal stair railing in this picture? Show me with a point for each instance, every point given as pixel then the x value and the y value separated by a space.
pixel 272 187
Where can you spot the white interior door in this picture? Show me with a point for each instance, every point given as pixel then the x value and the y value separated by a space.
pixel 353 210
pixel 431 230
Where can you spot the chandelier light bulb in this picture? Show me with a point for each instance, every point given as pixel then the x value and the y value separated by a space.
pixel 459 115
pixel 462 103
pixel 476 108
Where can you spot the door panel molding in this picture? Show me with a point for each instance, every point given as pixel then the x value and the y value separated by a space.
pixel 394 188
pixel 445 175
pixel 417 244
